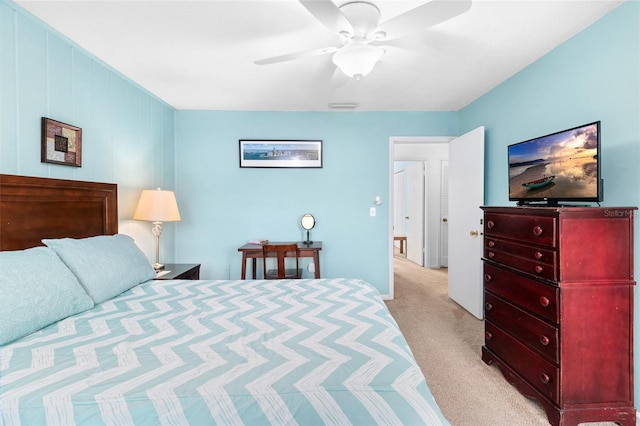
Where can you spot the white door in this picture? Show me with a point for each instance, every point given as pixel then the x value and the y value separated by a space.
pixel 414 200
pixel 444 213
pixel 466 195
pixel 398 204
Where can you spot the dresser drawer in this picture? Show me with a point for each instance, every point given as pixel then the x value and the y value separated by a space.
pixel 533 296
pixel 530 229
pixel 533 332
pixel 533 260
pixel 540 373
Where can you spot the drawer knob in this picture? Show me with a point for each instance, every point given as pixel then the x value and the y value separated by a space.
pixel 488 306
pixel 491 243
pixel 488 277
pixel 544 301
pixel 544 378
pixel 488 335
pixel 492 254
pixel 538 255
pixel 490 224
pixel 537 231
pixel 538 269
pixel 544 340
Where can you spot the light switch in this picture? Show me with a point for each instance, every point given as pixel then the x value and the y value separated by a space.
pixel 372 211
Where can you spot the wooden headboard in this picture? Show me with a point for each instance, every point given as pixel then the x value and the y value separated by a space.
pixel 33 208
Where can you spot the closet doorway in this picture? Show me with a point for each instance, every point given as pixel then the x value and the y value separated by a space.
pixel 409 208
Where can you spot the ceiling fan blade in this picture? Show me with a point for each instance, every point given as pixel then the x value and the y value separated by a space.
pixel 417 42
pixel 328 14
pixel 422 17
pixel 297 55
pixel 407 59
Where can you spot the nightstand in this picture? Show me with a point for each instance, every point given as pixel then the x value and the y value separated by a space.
pixel 180 271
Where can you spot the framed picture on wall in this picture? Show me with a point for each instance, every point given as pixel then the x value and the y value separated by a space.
pixel 61 143
pixel 280 153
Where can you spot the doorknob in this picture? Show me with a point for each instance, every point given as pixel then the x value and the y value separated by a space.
pixel 444 219
pixel 406 217
pixel 474 233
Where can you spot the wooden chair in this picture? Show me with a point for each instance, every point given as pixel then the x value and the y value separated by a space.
pixel 280 251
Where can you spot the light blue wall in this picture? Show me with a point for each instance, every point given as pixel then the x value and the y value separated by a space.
pixel 127 132
pixel 224 206
pixel 593 76
pixel 128 139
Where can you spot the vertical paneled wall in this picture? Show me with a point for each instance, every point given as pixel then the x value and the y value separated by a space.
pixel 127 132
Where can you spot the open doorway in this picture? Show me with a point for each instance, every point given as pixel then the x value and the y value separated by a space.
pixel 432 153
pixel 466 152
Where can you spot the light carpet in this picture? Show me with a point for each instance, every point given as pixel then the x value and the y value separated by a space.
pixel 446 341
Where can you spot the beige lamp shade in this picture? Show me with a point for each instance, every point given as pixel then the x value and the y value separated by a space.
pixel 156 205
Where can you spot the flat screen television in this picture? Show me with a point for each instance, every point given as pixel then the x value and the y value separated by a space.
pixel 557 168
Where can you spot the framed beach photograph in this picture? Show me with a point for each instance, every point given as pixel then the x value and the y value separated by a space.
pixel 61 143
pixel 281 153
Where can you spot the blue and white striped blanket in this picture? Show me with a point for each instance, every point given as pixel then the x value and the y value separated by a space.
pixel 220 352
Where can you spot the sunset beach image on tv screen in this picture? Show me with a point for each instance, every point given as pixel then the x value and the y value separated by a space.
pixel 562 165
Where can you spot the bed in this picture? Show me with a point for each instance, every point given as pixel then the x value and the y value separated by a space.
pixel 132 350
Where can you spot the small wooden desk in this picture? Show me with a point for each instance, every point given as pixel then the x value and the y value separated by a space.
pixel 254 251
pixel 403 241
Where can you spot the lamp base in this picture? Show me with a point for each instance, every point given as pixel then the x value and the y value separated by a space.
pixel 157 231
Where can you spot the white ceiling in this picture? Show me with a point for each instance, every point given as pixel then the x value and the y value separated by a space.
pixel 200 54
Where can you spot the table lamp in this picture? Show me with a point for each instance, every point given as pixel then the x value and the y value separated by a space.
pixel 157 206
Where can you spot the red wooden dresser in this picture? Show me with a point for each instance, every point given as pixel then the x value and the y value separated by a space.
pixel 558 288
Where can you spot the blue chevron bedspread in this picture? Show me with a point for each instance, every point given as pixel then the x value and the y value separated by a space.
pixel 286 352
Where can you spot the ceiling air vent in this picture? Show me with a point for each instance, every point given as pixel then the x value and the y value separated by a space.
pixel 343 105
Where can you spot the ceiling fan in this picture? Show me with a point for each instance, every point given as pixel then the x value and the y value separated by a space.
pixel 362 37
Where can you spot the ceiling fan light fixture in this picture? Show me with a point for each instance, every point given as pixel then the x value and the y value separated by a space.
pixel 357 60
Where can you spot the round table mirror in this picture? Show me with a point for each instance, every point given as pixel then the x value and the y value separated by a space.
pixel 308 222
